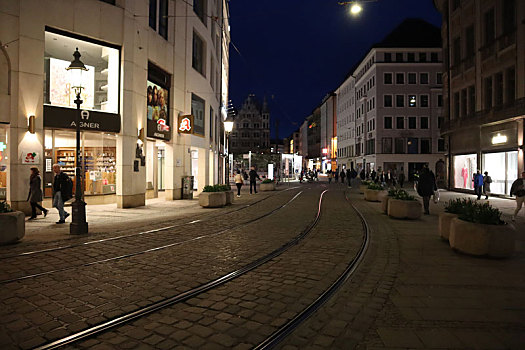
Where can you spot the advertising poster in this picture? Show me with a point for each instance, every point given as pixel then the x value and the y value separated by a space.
pixel 157 112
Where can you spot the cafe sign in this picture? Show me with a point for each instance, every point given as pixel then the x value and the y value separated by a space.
pixel 185 124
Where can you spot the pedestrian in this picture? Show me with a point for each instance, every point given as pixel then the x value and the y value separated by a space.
pixel 35 193
pixel 426 187
pixel 382 178
pixel 401 178
pixel 373 174
pixel 239 181
pixel 362 174
pixel 487 180
pixel 518 189
pixel 245 174
pixel 336 175
pixel 349 177
pixel 478 184
pixel 389 179
pixel 329 173
pixel 61 192
pixel 343 176
pixel 253 177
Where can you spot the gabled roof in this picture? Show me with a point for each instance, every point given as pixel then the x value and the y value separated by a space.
pixel 412 32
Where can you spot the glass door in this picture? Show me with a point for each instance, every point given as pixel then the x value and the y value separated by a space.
pixel 160 168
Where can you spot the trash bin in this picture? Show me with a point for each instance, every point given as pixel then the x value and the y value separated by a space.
pixel 187 187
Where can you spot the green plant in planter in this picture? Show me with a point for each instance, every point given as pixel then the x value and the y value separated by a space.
pixel 268 181
pixel 216 188
pixel 402 195
pixel 5 207
pixel 374 186
pixel 224 187
pixel 393 192
pixel 458 205
pixel 481 214
pixel 366 182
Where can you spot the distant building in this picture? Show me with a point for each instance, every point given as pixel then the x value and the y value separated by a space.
pixel 251 131
pixel 314 139
pixel 484 63
pixel 328 132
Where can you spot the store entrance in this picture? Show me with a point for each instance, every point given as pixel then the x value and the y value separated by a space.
pixel 502 167
pixel 161 156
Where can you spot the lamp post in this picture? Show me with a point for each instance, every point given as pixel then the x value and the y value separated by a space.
pixel 78 222
pixel 228 127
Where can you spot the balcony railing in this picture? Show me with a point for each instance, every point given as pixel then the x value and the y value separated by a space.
pixel 506 40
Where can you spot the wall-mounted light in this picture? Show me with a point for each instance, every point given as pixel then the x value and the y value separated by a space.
pixel 31 124
pixel 499 139
pixel 142 137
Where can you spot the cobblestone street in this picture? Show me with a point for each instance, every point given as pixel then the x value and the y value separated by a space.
pixel 410 291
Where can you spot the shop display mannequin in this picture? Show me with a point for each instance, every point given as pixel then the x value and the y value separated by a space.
pixel 464 174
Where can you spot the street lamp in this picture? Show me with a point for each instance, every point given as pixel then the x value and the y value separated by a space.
pixel 228 127
pixel 78 222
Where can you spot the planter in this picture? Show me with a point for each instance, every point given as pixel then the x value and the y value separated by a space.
pixel 267 186
pixel 401 209
pixel 13 227
pixel 374 195
pixel 384 204
pixel 482 240
pixel 229 197
pixel 212 199
pixel 444 222
pixel 362 188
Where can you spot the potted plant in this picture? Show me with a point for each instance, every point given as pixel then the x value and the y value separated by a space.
pixel 374 192
pixel 267 185
pixel 12 224
pixel 212 197
pixel 452 209
pixel 384 200
pixel 228 191
pixel 404 206
pixel 478 230
pixel 364 185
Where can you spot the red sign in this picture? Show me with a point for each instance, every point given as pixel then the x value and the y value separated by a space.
pixel 185 125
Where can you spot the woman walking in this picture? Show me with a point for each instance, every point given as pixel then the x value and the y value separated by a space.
pixel 238 182
pixel 35 193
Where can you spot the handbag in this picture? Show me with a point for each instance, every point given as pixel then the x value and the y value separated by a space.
pixel 436 197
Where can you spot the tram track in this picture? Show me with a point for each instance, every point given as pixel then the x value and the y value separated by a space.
pixel 181 297
pixel 153 249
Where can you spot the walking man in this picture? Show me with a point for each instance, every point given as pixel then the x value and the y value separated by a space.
pixel 518 189
pixel 61 192
pixel 401 178
pixel 426 187
pixel 253 177
pixel 343 174
pixel 478 184
pixel 487 180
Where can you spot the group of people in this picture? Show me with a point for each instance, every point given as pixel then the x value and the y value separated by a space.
pixel 482 184
pixel 347 175
pixel 242 175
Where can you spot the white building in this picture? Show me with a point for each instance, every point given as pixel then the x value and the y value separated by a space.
pixel 328 133
pixel 149 62
pixel 390 106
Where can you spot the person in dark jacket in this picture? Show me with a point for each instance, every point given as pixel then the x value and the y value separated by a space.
pixel 401 178
pixel 253 177
pixel 349 177
pixel 478 184
pixel 35 193
pixel 426 187
pixel 487 180
pixel 59 193
pixel 343 174
pixel 336 175
pixel 518 189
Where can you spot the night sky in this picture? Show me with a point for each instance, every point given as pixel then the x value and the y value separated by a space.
pixel 299 50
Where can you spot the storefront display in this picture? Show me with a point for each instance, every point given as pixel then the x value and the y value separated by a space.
pixel 3 163
pixel 465 166
pixel 502 168
pixel 157 108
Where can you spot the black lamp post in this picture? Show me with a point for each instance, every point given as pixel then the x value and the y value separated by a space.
pixel 228 127
pixel 78 222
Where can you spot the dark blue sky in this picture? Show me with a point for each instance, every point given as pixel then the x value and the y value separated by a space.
pixel 299 50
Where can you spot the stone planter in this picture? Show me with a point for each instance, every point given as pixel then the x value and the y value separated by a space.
pixel 270 186
pixel 374 195
pixel 229 197
pixel 400 209
pixel 384 203
pixel 13 227
pixel 212 199
pixel 362 188
pixel 495 241
pixel 444 222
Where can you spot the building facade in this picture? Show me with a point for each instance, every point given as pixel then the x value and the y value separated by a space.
pixel 346 123
pixel 151 64
pixel 484 71
pixel 251 130
pixel 328 131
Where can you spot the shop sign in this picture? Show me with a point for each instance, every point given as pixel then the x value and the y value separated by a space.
pixel 30 158
pixel 185 124
pixel 66 118
pixel 499 139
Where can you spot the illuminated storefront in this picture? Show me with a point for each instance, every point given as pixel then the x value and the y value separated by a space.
pixel 465 166
pixel 4 165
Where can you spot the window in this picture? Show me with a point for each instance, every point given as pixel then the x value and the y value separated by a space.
pixel 400 100
pixel 487 92
pixel 399 57
pixel 412 101
pixel 440 100
pixel 160 7
pixel 199 7
pixel 412 122
pixel 198 54
pixel 153 14
pixel 387 101
pixel 455 4
pixel 245 125
pixel 387 78
pixel 387 145
pixel 441 145
pixel 433 56
pixel 439 78
pixel 456 51
pixel 111 2
pixel 256 125
pixel 425 146
pixel 423 78
pixel 412 78
pixel 400 78
pixel 510 85
pixel 400 122
pixel 456 104
pixel 423 100
pixel 388 57
pixel 509 17
pixel 498 89
pixel 470 44
pixel 463 102
pixel 489 27
pixel 388 123
pixel 370 146
pixel 412 145
pixel 197 110
pixel 471 100
pixel 423 122
pixel 212 117
pixel 440 122
pixel 399 145
pixel 422 57
pixel 411 57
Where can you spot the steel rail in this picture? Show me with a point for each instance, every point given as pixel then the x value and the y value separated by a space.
pixel 102 327
pixel 275 338
pixel 150 250
pixel 47 250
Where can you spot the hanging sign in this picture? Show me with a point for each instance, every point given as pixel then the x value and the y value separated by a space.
pixel 185 124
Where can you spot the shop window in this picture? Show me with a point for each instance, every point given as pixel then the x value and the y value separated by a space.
pixel 412 78
pixel 400 122
pixel 199 7
pixel 502 168
pixel 424 122
pixel 400 100
pixel 400 78
pixel 412 122
pixel 100 81
pixel 423 101
pixel 197 110
pixel 465 167
pixel 412 101
pixel 412 145
pixel 387 101
pixel 198 60
pixel 387 123
pixel 423 78
pixel 387 78
pixel 399 145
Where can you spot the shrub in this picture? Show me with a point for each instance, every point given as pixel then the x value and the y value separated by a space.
pixel 216 188
pixel 366 182
pixel 481 214
pixel 458 205
pixel 374 186
pixel 402 195
pixel 268 181
pixel 5 207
